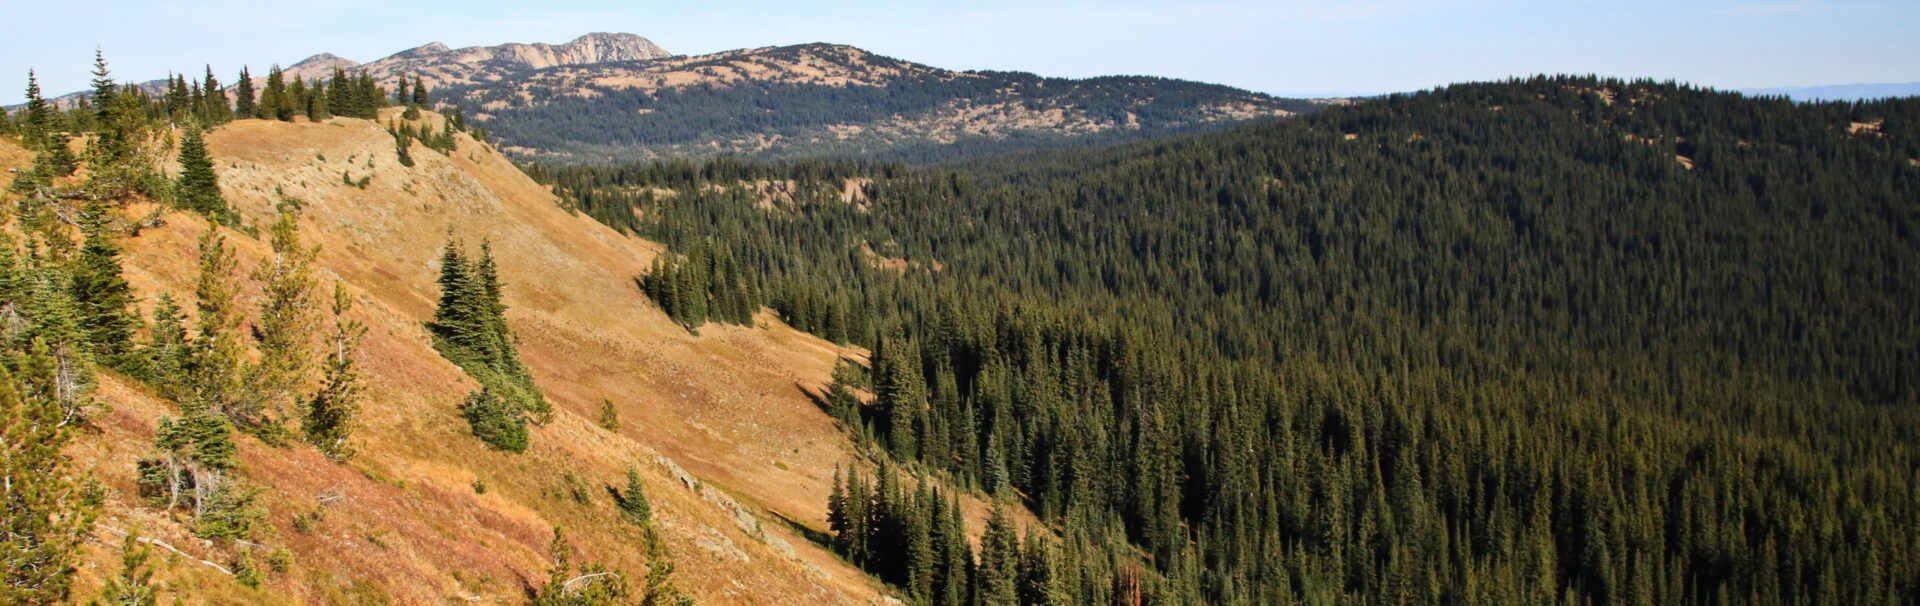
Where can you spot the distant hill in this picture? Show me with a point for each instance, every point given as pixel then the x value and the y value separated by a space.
pixel 618 97
pixel 439 65
pixel 824 99
pixel 1840 92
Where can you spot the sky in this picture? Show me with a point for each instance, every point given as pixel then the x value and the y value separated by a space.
pixel 1282 47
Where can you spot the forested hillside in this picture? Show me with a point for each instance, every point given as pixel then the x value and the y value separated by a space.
pixel 831 100
pixel 1555 339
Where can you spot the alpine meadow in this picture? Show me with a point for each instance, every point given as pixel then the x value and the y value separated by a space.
pixel 596 323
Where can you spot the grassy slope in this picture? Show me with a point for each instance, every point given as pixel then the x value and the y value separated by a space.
pixel 727 406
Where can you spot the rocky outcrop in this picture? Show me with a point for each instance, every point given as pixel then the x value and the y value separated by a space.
pixel 585 50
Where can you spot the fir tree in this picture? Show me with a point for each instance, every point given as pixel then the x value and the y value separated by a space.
pixel 339 94
pixel 197 188
pixel 275 102
pixel 108 144
pixel 243 98
pixel 46 136
pixel 999 558
pixel 103 298
pixel 218 109
pixel 169 351
pixel 609 417
pixel 318 108
pixel 299 99
pixel 494 421
pixel 419 98
pixel 633 500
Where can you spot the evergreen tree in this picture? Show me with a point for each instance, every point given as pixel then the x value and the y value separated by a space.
pixel 103 298
pixel 633 500
pixel 299 99
pixel 340 93
pixel 609 418
pixel 401 97
pixel 329 420
pixel 593 586
pixel 288 320
pixel 215 368
pixel 243 98
pixel 178 102
pixel 134 585
pixel 494 421
pixel 46 136
pixel 197 188
pixel 999 559
pixel 275 102
pixel 318 109
pixel 168 349
pixel 219 111
pixel 402 143
pixel 109 143
pixel 419 98
pixel 47 514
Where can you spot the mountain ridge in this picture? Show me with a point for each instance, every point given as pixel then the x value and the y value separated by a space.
pixel 619 96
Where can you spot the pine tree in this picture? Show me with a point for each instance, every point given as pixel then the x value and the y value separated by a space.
pixel 288 319
pixel 178 102
pixel 340 94
pixel 329 420
pixel 216 363
pixel 134 585
pixel 197 188
pixel 118 161
pixel 419 98
pixel 318 109
pixel 47 515
pixel 299 99
pixel 104 300
pixel 108 144
pixel 609 417
pixel 401 96
pixel 276 103
pixel 999 556
pixel 593 586
pixel 402 144
pixel 243 98
pixel 218 110
pixel 45 136
pixel 495 421
pixel 169 351
pixel 633 500
pixel 837 508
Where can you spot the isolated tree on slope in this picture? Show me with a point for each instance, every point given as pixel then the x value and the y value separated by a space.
pixel 329 421
pixel 287 323
pixel 198 188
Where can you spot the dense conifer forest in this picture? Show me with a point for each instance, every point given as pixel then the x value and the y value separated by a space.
pixel 1558 339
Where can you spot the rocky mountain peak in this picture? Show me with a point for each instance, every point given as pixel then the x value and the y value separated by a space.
pixel 425 50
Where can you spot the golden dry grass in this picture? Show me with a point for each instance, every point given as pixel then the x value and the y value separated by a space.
pixel 727 406
pixel 402 522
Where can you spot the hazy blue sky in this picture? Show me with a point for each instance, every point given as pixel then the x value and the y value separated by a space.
pixel 1278 46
